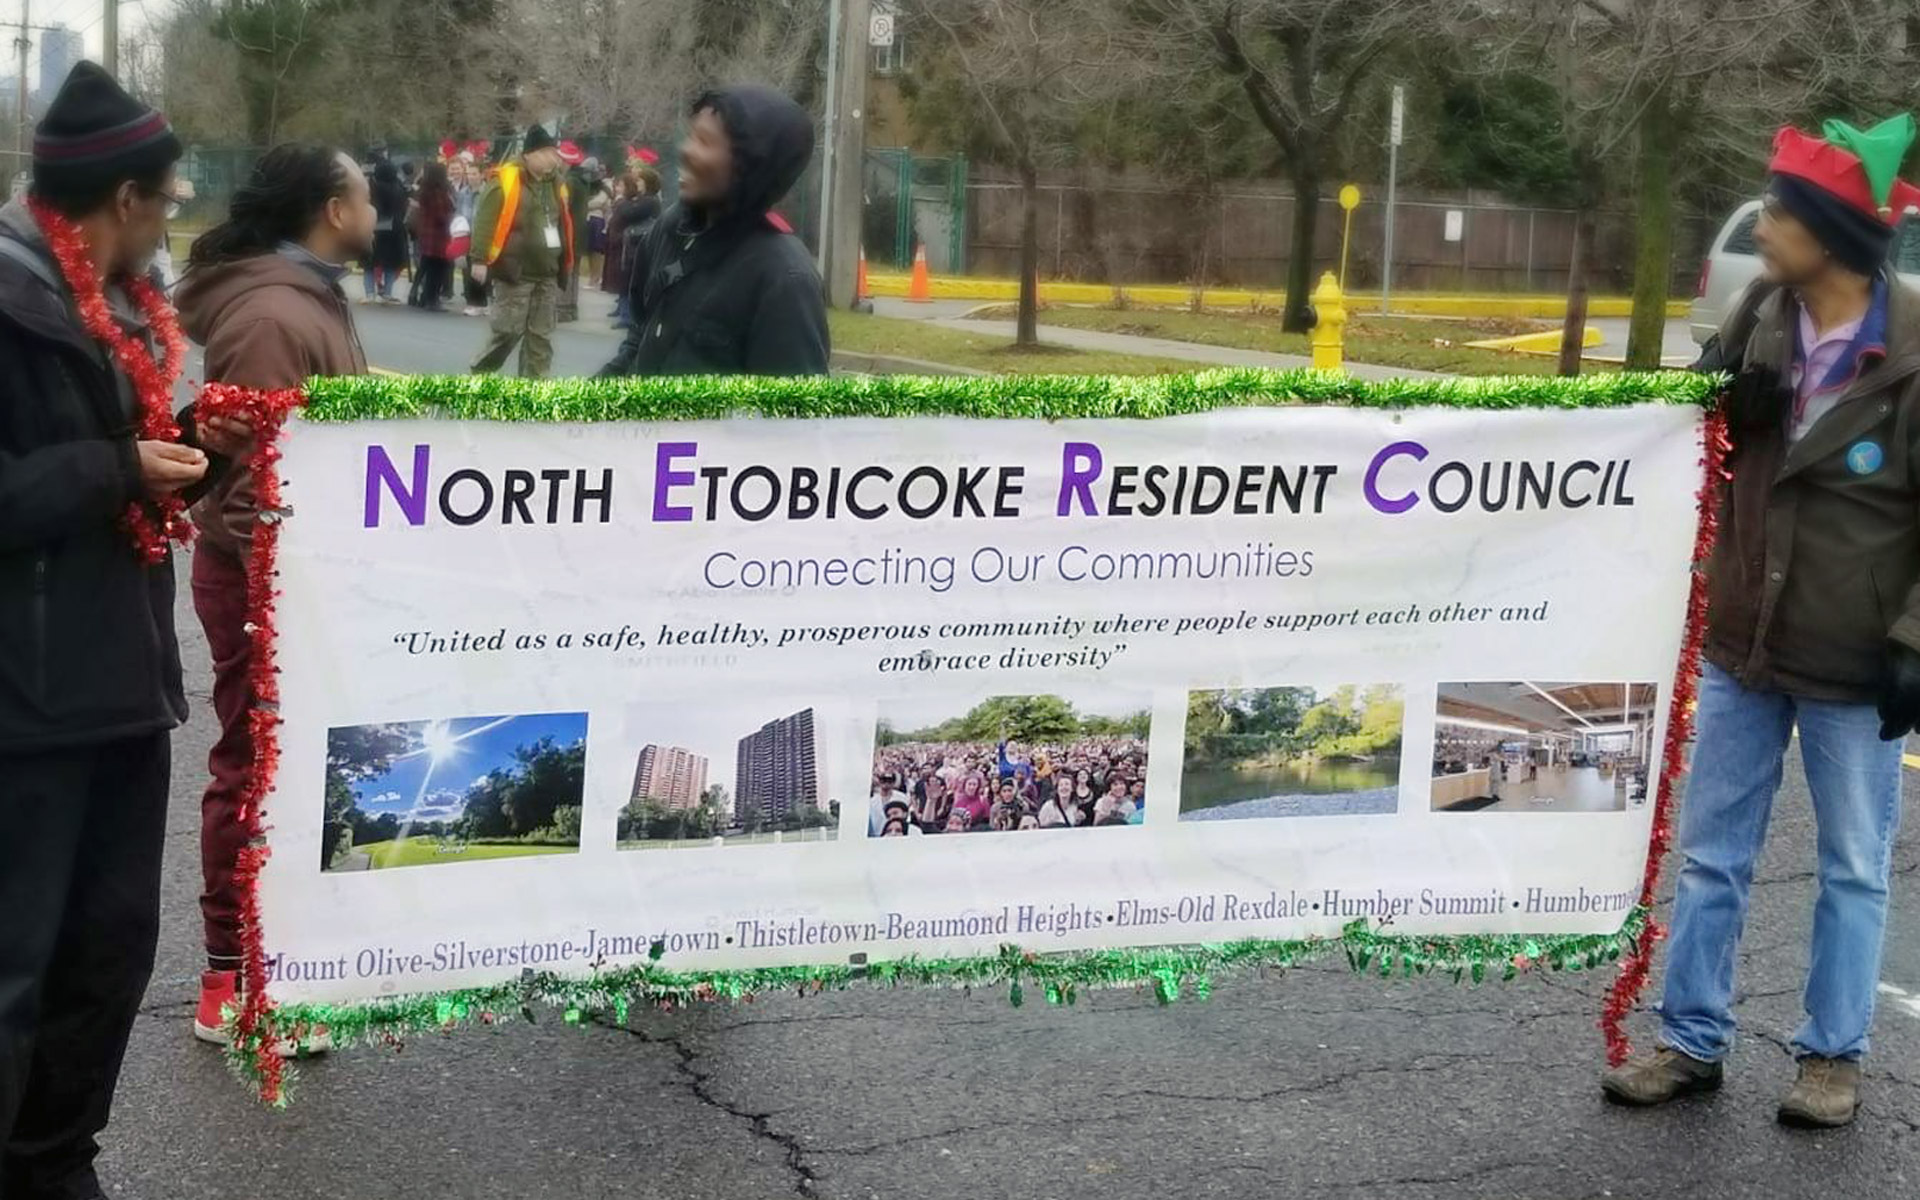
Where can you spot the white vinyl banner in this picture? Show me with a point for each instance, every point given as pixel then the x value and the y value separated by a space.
pixel 762 692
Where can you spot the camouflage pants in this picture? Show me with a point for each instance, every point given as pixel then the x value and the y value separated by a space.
pixel 523 316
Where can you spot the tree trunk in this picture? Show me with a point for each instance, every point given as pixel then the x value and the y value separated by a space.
pixel 1653 235
pixel 1028 333
pixel 1573 330
pixel 1306 223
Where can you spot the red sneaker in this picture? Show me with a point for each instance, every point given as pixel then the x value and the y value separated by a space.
pixel 220 1001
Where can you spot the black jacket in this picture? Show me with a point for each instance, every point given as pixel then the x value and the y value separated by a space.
pixel 730 291
pixel 87 646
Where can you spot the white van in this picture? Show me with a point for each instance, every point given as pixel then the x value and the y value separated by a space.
pixel 1734 262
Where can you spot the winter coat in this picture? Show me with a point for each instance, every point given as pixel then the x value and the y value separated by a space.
pixel 627 227
pixel 87 647
pixel 433 223
pixel 730 290
pixel 271 321
pixel 1818 557
pixel 526 255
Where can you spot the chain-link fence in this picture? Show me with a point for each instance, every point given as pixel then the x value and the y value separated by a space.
pixel 1129 228
pixel 1134 231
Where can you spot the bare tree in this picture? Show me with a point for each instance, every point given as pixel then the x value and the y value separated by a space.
pixel 1301 64
pixel 1654 85
pixel 617 64
pixel 1029 72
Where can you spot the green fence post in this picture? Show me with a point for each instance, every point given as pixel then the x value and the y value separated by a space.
pixel 957 209
pixel 903 210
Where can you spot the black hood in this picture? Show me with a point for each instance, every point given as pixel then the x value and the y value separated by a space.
pixel 772 142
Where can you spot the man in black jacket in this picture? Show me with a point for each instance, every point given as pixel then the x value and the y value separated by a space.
pixel 89 668
pixel 721 286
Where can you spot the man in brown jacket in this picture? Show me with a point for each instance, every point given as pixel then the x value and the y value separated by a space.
pixel 262 294
pixel 1814 618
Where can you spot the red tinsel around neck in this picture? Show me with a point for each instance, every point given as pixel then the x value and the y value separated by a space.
pixel 149 524
pixel 1636 967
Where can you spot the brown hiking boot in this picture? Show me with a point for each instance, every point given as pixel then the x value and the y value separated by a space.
pixel 1826 1096
pixel 1660 1077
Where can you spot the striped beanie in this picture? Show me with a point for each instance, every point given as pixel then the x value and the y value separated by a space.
pixel 94 134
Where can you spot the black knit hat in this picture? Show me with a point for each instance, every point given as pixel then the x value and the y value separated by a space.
pixel 94 134
pixel 537 139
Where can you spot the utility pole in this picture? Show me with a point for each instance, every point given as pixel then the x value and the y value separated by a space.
pixel 844 189
pixel 110 37
pixel 23 130
pixel 826 136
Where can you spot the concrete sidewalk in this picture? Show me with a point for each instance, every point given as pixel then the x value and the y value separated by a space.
pixel 1205 356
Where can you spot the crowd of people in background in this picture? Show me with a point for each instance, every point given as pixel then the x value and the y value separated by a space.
pixel 425 227
pixel 979 787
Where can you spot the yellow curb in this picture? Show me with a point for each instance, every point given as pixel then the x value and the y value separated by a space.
pixel 1911 760
pixel 1474 304
pixel 1546 342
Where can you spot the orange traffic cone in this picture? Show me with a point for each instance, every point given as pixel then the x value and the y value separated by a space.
pixel 860 278
pixel 920 288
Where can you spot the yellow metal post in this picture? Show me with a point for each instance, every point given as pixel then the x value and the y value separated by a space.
pixel 1329 329
pixel 1349 200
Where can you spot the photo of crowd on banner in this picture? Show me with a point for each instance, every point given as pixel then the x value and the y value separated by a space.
pixel 1011 764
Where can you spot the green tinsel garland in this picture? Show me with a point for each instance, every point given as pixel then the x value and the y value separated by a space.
pixel 1051 397
pixel 1169 970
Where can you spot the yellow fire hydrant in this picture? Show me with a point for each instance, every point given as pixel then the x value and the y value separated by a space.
pixel 1329 330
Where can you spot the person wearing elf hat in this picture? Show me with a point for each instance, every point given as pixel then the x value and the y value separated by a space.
pixel 95 473
pixel 1813 619
pixel 523 244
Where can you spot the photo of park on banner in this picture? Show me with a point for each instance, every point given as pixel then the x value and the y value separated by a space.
pixel 1292 752
pixel 1008 764
pixel 420 793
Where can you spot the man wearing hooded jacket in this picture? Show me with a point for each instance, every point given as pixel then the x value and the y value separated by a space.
pixel 721 285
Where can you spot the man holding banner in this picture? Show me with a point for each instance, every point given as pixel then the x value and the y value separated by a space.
pixel 262 294
pixel 1814 619
pixel 94 474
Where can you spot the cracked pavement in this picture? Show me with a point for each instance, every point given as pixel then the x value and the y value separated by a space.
pixel 1306 1083
pixel 1311 1082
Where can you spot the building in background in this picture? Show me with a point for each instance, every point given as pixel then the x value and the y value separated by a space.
pixel 671 775
pixel 777 771
pixel 60 49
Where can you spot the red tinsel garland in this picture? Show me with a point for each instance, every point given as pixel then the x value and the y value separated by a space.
pixel 1636 966
pixel 267 412
pixel 149 524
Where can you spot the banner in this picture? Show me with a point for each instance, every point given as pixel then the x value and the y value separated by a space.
pixel 640 701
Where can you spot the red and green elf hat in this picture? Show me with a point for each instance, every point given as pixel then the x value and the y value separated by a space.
pixel 1859 167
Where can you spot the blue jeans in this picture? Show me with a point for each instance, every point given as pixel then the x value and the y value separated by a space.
pixel 1855 781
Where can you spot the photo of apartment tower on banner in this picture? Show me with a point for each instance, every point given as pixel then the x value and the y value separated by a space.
pixel 778 772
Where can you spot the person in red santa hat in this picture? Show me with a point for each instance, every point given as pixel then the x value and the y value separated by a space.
pixel 1814 616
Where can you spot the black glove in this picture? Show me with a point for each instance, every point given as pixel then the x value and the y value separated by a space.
pixel 1899 693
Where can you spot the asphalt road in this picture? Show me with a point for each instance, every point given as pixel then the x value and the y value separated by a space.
pixel 1306 1083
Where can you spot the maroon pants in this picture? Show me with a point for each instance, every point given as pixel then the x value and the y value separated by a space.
pixel 220 598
